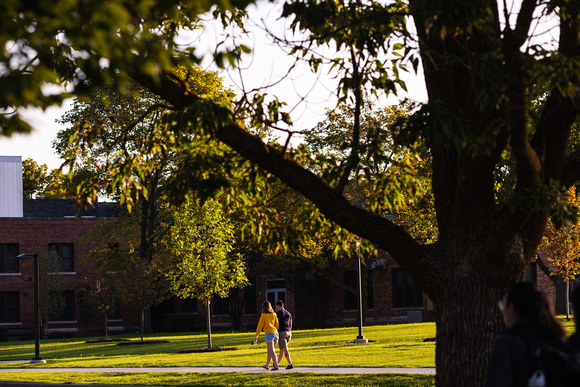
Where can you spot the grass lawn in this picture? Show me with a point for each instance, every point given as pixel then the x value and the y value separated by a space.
pixel 392 346
pixel 226 379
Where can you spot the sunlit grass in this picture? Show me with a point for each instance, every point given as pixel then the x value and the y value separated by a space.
pixel 226 379
pixel 392 346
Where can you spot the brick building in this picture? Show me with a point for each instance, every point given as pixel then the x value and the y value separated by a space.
pixel 58 227
pixel 49 227
pixel 391 296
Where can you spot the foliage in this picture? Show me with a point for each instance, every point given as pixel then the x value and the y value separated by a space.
pixel 115 248
pixel 39 183
pixel 562 245
pixel 152 288
pixel 482 63
pixel 33 178
pixel 399 174
pixel 114 134
pixel 202 239
pixel 98 294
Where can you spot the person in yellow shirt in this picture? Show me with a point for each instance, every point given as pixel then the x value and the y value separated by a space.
pixel 269 323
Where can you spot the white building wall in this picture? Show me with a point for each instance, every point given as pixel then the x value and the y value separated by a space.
pixel 11 187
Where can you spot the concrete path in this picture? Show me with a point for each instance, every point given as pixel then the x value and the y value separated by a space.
pixel 322 370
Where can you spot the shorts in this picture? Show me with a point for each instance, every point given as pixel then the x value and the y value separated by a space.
pixel 285 337
pixel 272 337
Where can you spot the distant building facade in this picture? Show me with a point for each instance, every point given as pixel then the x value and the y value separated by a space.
pixel 49 226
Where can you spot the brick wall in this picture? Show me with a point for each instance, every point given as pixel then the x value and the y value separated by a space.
pixel 34 236
pixel 313 303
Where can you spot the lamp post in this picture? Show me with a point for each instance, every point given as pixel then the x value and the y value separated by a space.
pixel 36 359
pixel 360 339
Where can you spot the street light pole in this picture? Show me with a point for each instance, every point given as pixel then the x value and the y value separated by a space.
pixel 360 339
pixel 36 359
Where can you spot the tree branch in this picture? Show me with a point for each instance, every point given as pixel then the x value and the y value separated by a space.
pixel 354 157
pixel 548 146
pixel 559 114
pixel 529 167
pixel 331 203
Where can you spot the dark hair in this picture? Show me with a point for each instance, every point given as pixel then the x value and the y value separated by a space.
pixel 575 299
pixel 267 307
pixel 280 303
pixel 533 306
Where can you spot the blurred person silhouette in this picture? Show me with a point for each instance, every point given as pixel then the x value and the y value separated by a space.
pixel 573 343
pixel 530 323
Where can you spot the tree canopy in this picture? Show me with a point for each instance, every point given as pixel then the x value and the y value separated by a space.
pixel 482 62
pixel 39 183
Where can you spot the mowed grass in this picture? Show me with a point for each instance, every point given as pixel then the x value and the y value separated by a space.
pixel 224 379
pixel 391 346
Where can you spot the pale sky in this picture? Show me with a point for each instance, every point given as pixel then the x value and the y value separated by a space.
pixel 308 96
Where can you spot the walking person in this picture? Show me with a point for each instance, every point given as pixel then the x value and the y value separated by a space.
pixel 269 323
pixel 529 319
pixel 285 330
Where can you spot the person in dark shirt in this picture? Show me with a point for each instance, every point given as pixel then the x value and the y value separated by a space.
pixel 573 342
pixel 285 331
pixel 527 313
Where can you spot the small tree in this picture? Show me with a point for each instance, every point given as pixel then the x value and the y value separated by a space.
pixel 142 285
pixel 51 298
pixel 202 238
pixel 99 294
pixel 562 245
pixel 33 178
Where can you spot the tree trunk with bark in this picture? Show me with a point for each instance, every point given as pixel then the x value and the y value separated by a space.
pixel 208 321
pixel 559 285
pixel 463 323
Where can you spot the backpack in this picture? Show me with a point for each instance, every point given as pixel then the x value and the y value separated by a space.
pixel 552 363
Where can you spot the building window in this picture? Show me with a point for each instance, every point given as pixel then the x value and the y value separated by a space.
pixel 370 298
pixel 406 293
pixel 65 252
pixel 114 311
pixel 250 297
pixel 189 305
pixel 350 298
pixel 220 306
pixel 276 291
pixel 68 312
pixel 9 307
pixel 9 258
pixel 532 273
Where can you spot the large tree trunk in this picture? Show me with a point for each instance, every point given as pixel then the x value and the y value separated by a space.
pixel 463 324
